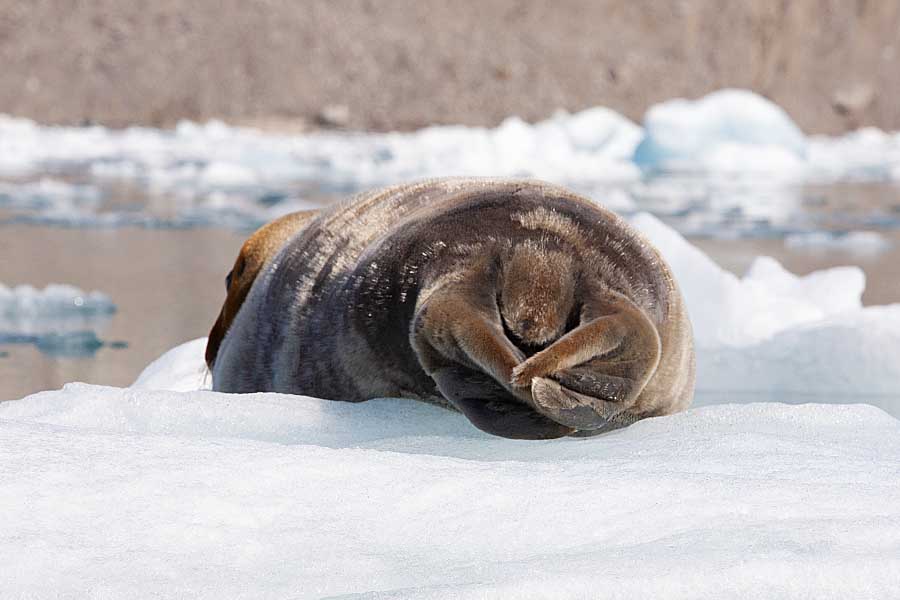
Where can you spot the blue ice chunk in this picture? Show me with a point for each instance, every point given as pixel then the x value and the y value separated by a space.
pixel 730 130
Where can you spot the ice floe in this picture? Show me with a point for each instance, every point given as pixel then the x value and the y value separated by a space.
pixel 774 332
pixel 731 130
pixel 50 196
pixel 59 320
pixel 138 493
pixel 866 154
pixel 730 310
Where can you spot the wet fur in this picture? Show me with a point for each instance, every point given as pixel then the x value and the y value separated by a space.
pixel 533 311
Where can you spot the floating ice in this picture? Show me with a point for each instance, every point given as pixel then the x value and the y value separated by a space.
pixel 855 242
pixel 134 493
pixel 221 175
pixel 845 355
pixel 774 332
pixel 727 310
pixel 595 144
pixel 49 196
pixel 730 130
pixel 60 320
pixel 868 154
pixel 71 344
pixel 736 132
pixel 24 303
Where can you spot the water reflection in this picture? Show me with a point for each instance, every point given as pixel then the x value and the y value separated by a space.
pixel 72 344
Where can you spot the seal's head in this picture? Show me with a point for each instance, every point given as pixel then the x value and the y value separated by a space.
pixel 537 294
pixel 255 253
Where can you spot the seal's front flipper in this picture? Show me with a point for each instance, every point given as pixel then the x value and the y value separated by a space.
pixel 491 408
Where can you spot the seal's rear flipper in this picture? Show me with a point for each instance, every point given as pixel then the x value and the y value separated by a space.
pixel 598 369
pixel 577 410
pixel 491 408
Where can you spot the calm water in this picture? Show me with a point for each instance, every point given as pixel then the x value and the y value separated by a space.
pixel 168 286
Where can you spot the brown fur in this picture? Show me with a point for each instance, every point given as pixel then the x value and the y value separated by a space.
pixel 534 312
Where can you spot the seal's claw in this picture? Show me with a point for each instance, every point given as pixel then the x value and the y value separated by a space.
pixel 569 407
pixel 520 376
pixel 524 374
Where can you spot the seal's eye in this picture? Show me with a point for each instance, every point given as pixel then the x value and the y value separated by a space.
pixel 228 281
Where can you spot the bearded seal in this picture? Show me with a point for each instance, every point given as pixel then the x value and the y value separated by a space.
pixel 533 311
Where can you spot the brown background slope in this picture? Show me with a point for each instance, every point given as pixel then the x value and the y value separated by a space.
pixel 833 64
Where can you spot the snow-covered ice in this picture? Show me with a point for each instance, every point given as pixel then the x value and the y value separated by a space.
pixel 726 309
pixel 214 170
pixel 126 493
pixel 773 332
pixel 181 369
pixel 216 156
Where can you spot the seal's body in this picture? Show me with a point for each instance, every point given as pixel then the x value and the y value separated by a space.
pixel 533 311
